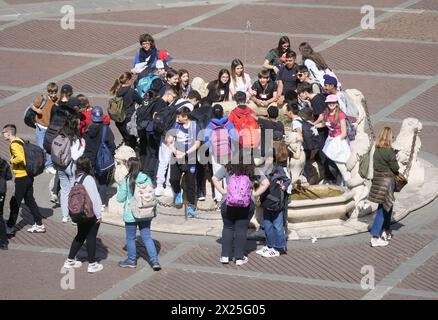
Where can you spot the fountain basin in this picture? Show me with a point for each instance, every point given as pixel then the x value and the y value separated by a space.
pixel 335 203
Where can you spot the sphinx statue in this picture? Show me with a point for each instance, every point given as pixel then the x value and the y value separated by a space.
pixel 403 144
pixel 359 146
pixel 296 166
pixel 122 155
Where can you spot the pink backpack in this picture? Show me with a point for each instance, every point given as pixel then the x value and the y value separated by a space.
pixel 239 191
pixel 220 141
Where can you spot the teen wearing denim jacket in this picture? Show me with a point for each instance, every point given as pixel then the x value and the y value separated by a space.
pixel 125 193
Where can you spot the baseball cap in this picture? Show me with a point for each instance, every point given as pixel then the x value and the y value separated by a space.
pixel 330 80
pixel 66 88
pixel 97 114
pixel 331 98
pixel 74 102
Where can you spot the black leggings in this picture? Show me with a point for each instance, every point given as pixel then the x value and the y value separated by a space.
pixel 129 140
pixel 86 231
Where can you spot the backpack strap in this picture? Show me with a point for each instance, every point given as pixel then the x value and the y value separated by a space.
pixel 81 180
pixel 105 128
pixel 43 102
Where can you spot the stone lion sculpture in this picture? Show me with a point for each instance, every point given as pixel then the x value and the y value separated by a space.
pixel 359 146
pixel 296 167
pixel 122 155
pixel 403 143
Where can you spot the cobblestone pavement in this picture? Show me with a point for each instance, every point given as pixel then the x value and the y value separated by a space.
pixel 394 65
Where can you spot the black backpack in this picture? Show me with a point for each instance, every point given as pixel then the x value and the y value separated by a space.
pixel 274 199
pixel 310 141
pixel 144 115
pixel 34 156
pixel 29 114
pixel 165 119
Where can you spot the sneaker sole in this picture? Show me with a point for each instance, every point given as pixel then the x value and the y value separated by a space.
pixel 127 266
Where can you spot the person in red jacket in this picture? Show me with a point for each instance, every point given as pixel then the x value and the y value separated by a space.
pixel 244 120
pixel 85 115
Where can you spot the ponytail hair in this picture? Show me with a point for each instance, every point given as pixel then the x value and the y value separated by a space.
pixel 134 167
pixel 124 78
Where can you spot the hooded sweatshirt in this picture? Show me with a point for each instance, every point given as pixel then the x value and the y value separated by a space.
pixel 130 97
pixel 93 137
pixel 224 123
pixel 125 195
pixel 240 112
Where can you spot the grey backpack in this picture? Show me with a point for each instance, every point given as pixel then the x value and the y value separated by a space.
pixel 61 152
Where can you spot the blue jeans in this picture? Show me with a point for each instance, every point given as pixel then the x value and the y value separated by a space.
pixel 381 221
pixel 66 180
pixel 274 230
pixel 145 232
pixel 40 133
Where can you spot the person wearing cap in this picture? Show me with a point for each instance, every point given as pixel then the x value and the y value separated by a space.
pixel 93 138
pixel 85 113
pixel 331 87
pixel 336 146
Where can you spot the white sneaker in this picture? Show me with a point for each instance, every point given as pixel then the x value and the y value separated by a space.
pixel 378 242
pixel 271 253
pixel 262 250
pixel 50 170
pixel 65 219
pixel 37 229
pixel 70 263
pixel 224 260
pixel 386 236
pixel 240 262
pixel 94 267
pixel 159 191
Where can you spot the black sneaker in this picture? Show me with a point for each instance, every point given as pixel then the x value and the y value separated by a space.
pixel 156 267
pixel 4 246
pixel 201 196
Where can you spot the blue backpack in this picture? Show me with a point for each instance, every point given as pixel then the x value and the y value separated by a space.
pixel 144 84
pixel 104 158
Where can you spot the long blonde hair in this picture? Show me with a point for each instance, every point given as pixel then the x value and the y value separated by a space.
pixel 384 138
pixel 124 78
pixel 337 111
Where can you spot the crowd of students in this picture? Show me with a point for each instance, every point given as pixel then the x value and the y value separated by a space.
pixel 177 133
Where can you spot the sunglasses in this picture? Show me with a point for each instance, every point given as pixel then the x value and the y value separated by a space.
pixel 299 75
pixel 52 91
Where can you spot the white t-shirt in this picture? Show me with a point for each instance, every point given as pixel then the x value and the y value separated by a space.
pixel 297 124
pixel 241 84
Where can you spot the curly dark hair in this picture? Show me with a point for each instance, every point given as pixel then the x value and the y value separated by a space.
pixel 241 169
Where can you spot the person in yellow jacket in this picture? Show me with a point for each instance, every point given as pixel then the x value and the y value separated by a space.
pixel 23 183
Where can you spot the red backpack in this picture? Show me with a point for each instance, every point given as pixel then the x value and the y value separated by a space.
pixel 248 129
